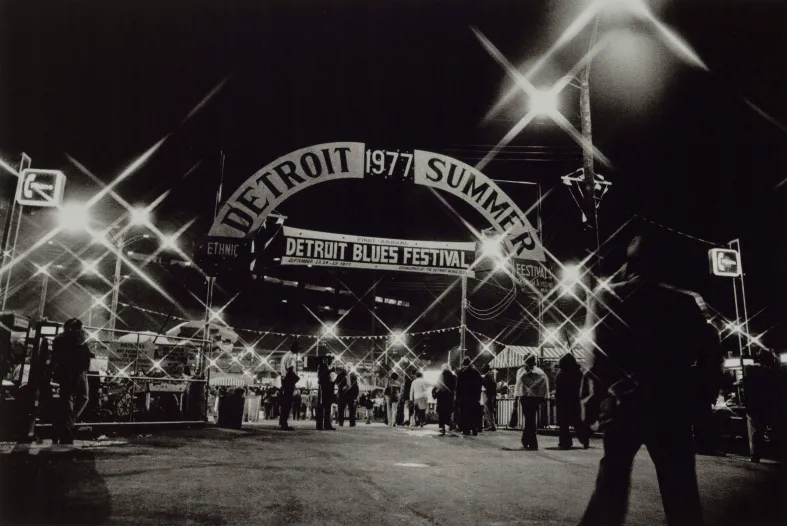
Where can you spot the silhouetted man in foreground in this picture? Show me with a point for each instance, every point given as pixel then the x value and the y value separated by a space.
pixel 648 337
pixel 70 363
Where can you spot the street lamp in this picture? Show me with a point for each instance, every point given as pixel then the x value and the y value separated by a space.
pixel 544 102
pixel 73 217
pixel 329 331
pixel 90 267
pixel 569 277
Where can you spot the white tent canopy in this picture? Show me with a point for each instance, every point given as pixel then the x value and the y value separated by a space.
pixel 144 337
pixel 224 336
pixel 230 379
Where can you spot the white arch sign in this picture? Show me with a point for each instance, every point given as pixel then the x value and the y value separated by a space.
pixel 244 212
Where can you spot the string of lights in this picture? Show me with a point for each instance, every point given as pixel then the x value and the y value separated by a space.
pixel 316 336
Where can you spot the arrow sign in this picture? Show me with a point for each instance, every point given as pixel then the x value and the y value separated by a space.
pixel 42 188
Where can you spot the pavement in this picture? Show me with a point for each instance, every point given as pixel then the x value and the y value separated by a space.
pixel 369 474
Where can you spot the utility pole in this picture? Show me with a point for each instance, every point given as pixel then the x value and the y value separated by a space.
pixel 589 192
pixel 463 328
pixel 113 309
pixel 10 252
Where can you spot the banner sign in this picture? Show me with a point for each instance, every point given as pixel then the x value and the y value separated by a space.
pixel 214 253
pixel 308 247
pixel 245 211
pixel 131 356
pixel 536 274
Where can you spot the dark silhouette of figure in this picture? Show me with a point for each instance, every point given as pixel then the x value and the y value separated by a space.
pixel 70 361
pixel 324 397
pixel 468 397
pixel 445 391
pixel 653 351
pixel 289 377
pixel 569 414
pixel 347 383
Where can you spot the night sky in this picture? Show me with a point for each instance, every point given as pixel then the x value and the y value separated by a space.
pixel 104 81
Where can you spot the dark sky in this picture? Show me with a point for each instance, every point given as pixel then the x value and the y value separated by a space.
pixel 103 81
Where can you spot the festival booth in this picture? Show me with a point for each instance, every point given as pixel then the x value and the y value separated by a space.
pixel 510 359
pixel 143 377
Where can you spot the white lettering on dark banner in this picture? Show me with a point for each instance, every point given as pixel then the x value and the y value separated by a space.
pixel 307 247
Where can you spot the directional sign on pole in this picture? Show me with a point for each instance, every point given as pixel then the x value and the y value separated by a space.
pixel 725 262
pixel 42 188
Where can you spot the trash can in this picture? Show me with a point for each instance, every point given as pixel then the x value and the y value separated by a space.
pixel 231 409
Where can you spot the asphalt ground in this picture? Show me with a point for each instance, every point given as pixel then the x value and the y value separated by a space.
pixel 369 474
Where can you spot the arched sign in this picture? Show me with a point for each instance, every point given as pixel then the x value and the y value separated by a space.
pixel 244 212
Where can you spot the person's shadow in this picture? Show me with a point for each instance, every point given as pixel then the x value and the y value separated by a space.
pixel 52 487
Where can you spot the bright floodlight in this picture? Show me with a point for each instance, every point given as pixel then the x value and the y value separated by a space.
pixel 491 247
pixel 487 347
pixel 212 362
pixel 139 216
pixel 73 217
pixel 329 331
pixel 90 267
pixel 584 336
pixel 604 284
pixel 42 269
pixel 98 302
pixel 249 349
pixel 215 315
pixel 550 335
pixel 169 242
pixel 570 274
pixel 398 337
pixel 543 102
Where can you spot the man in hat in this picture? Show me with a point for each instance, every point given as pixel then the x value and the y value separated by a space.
pixel 532 388
pixel 289 377
pixel 70 363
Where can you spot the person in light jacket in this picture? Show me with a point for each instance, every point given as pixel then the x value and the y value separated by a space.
pixel 532 387
pixel 419 396
pixel 392 392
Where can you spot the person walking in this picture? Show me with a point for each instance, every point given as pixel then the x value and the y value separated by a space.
pixel 760 397
pixel 70 363
pixel 369 405
pixel 392 392
pixel 403 409
pixel 324 398
pixel 643 382
pixel 296 404
pixel 532 388
pixel 490 399
pixel 569 414
pixel 419 396
pixel 313 398
pixel 468 396
pixel 348 388
pixel 289 377
pixel 445 391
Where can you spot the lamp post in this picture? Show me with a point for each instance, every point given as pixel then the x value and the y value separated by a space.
pixel 120 243
pixel 9 252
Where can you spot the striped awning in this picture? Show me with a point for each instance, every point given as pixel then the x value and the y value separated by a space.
pixel 511 356
pixel 514 355
pixel 234 380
